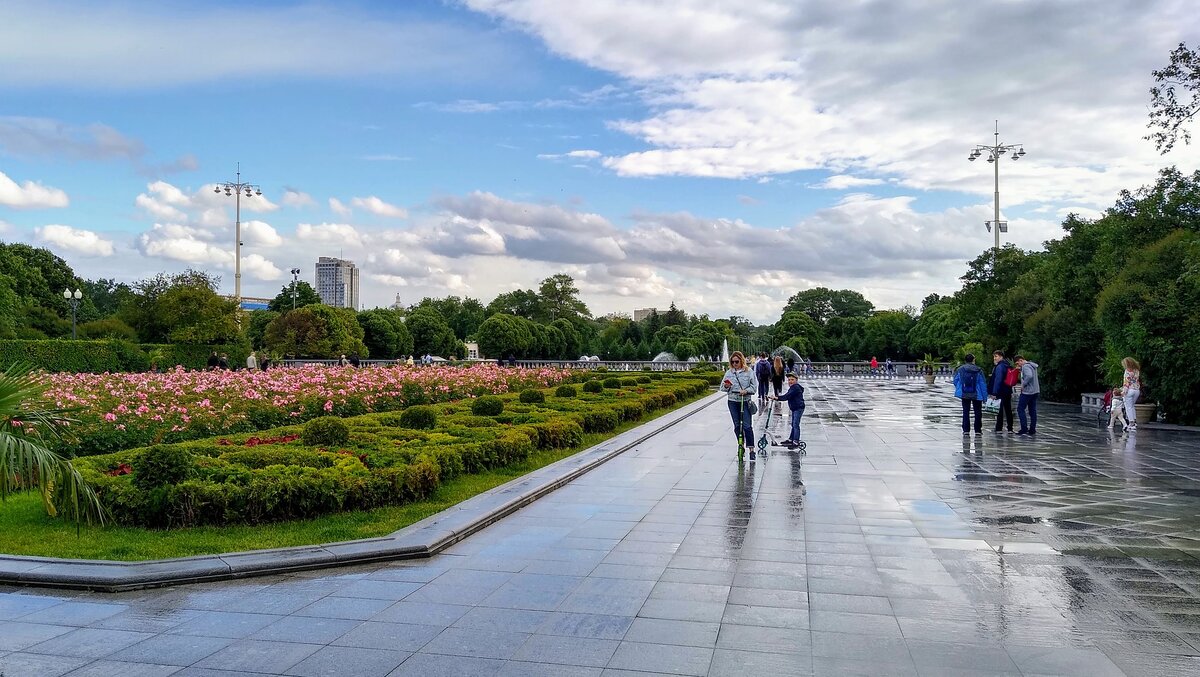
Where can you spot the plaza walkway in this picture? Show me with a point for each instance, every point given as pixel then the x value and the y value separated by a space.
pixel 895 547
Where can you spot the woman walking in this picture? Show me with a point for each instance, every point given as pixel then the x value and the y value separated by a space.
pixel 777 373
pixel 742 387
pixel 1132 385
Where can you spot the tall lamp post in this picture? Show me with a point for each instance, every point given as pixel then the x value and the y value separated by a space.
pixel 73 297
pixel 994 154
pixel 236 188
pixel 295 279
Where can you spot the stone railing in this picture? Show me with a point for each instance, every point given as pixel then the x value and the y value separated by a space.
pixel 905 370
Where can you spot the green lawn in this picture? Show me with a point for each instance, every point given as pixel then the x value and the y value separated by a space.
pixel 26 530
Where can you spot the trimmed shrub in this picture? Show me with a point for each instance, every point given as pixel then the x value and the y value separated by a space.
pixel 612 382
pixel 593 387
pixel 656 376
pixel 558 434
pixel 161 465
pixel 488 405
pixel 629 382
pixel 532 396
pixel 643 379
pixel 599 420
pixel 262 457
pixel 565 391
pixel 326 431
pixel 419 417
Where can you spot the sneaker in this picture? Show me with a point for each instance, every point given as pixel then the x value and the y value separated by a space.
pixel 1022 432
pixel 752 456
pixel 1131 426
pixel 979 432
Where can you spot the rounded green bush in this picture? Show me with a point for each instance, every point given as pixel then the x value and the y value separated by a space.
pixel 326 431
pixel 629 381
pixel 419 417
pixel 612 382
pixel 643 379
pixel 161 464
pixel 601 369
pixel 656 376
pixel 488 405
pixel 532 396
pixel 593 387
pixel 565 391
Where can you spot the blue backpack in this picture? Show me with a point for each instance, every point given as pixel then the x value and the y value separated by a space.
pixel 970 382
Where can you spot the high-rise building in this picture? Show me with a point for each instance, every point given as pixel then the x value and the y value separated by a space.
pixel 337 282
pixel 642 313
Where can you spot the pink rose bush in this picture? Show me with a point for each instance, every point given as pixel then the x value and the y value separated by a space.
pixel 121 411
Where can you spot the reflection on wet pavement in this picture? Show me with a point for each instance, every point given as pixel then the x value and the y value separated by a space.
pixel 896 546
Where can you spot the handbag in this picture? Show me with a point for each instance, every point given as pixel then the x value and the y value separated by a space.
pixel 750 405
pixel 1012 377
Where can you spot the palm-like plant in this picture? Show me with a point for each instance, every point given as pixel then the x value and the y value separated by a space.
pixel 26 421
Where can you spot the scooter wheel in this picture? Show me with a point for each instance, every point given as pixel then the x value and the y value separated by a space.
pixel 803 445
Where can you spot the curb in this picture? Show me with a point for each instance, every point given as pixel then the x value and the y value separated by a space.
pixel 422 539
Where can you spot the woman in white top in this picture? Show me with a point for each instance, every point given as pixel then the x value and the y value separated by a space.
pixel 742 386
pixel 1132 384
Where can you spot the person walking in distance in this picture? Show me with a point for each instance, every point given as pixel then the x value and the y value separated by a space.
pixel 874 365
pixel 777 375
pixel 1132 387
pixel 741 385
pixel 969 387
pixel 762 373
pixel 795 399
pixel 1027 402
pixel 1000 388
pixel 252 361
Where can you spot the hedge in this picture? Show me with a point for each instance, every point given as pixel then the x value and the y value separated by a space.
pixel 277 475
pixel 109 355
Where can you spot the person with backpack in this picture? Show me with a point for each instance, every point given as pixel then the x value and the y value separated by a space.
pixel 762 374
pixel 1000 388
pixel 1027 402
pixel 970 388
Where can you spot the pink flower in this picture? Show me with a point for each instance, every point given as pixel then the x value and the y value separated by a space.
pixel 328 405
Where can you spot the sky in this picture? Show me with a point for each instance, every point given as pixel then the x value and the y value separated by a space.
pixel 718 154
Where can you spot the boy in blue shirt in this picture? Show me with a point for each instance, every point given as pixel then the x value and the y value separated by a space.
pixel 795 399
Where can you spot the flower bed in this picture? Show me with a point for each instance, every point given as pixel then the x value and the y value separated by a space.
pixel 122 411
pixel 375 461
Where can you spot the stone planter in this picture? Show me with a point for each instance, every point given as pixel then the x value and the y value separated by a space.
pixel 929 379
pixel 1145 412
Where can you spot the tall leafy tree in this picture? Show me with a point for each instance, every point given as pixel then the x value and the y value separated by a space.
pixel 521 302
pixel 1171 110
pixel 283 301
pixel 560 298
pixel 432 335
pixel 385 333
pixel 822 304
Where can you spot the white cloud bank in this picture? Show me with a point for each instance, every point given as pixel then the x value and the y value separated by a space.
pixel 30 195
pixel 75 240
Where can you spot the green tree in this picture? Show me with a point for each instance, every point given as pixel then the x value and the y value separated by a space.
pixel 316 331
pixel 560 298
pixel 385 333
pixel 283 301
pixel 38 277
pixel 938 331
pixel 502 335
pixel 108 328
pixel 823 304
pixel 886 334
pixel 463 315
pixel 522 303
pixel 573 345
pixel 1168 112
pixel 256 327
pixel 154 319
pixel 798 325
pixel 195 314
pixel 431 335
pixel 106 296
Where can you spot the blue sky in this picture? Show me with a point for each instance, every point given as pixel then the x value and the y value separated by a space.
pixel 716 154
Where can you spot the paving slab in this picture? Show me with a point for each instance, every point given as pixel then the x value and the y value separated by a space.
pixel 894 546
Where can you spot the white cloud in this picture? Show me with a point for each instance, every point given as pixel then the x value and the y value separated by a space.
pixel 117 45
pixel 378 207
pixel 260 233
pixel 75 240
pixel 844 181
pixel 183 243
pixel 30 195
pixel 259 268
pixel 329 233
pixel 571 155
pixel 296 198
pixel 338 207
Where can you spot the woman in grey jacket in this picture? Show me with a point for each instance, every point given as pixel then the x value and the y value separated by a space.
pixel 741 385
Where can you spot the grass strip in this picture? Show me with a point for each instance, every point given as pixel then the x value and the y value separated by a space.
pixel 25 529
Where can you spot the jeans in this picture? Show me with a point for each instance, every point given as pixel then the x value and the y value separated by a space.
pixel 762 389
pixel 1004 412
pixel 1131 398
pixel 1027 403
pixel 743 425
pixel 795 435
pixel 968 406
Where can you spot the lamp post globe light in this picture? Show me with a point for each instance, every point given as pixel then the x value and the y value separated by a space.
pixel 73 297
pixel 994 153
pixel 236 188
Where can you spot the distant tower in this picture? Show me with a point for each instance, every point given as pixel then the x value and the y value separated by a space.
pixel 337 282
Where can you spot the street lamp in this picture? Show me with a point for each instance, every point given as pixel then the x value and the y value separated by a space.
pixel 73 297
pixel 295 279
pixel 994 154
pixel 236 188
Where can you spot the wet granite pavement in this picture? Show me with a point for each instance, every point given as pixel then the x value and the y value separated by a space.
pixel 896 546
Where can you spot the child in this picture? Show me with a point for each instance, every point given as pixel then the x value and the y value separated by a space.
pixel 795 399
pixel 1118 409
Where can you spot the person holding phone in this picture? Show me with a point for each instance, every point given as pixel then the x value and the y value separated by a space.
pixel 742 386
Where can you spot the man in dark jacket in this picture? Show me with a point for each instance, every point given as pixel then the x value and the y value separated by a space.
pixel 1000 390
pixel 970 387
pixel 213 361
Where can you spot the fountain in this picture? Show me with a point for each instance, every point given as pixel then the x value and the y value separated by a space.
pixel 787 353
pixel 724 351
pixel 665 356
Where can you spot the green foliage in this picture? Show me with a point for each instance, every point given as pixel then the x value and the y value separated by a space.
pixel 885 334
pixel 108 328
pixel 630 382
pixel 593 387
pixel 938 330
pixel 256 327
pixel 488 405
pixel 823 304
pixel 1170 112
pixel 326 431
pixel 800 332
pixel 612 382
pixel 420 417
pixel 316 331
pixel 74 356
pixel 644 379
pixel 431 335
pixel 532 396
pixel 284 301
pixel 162 465
pixel 975 349
pixel 502 335
pixel 385 334
pixel 566 391
pixel 463 315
